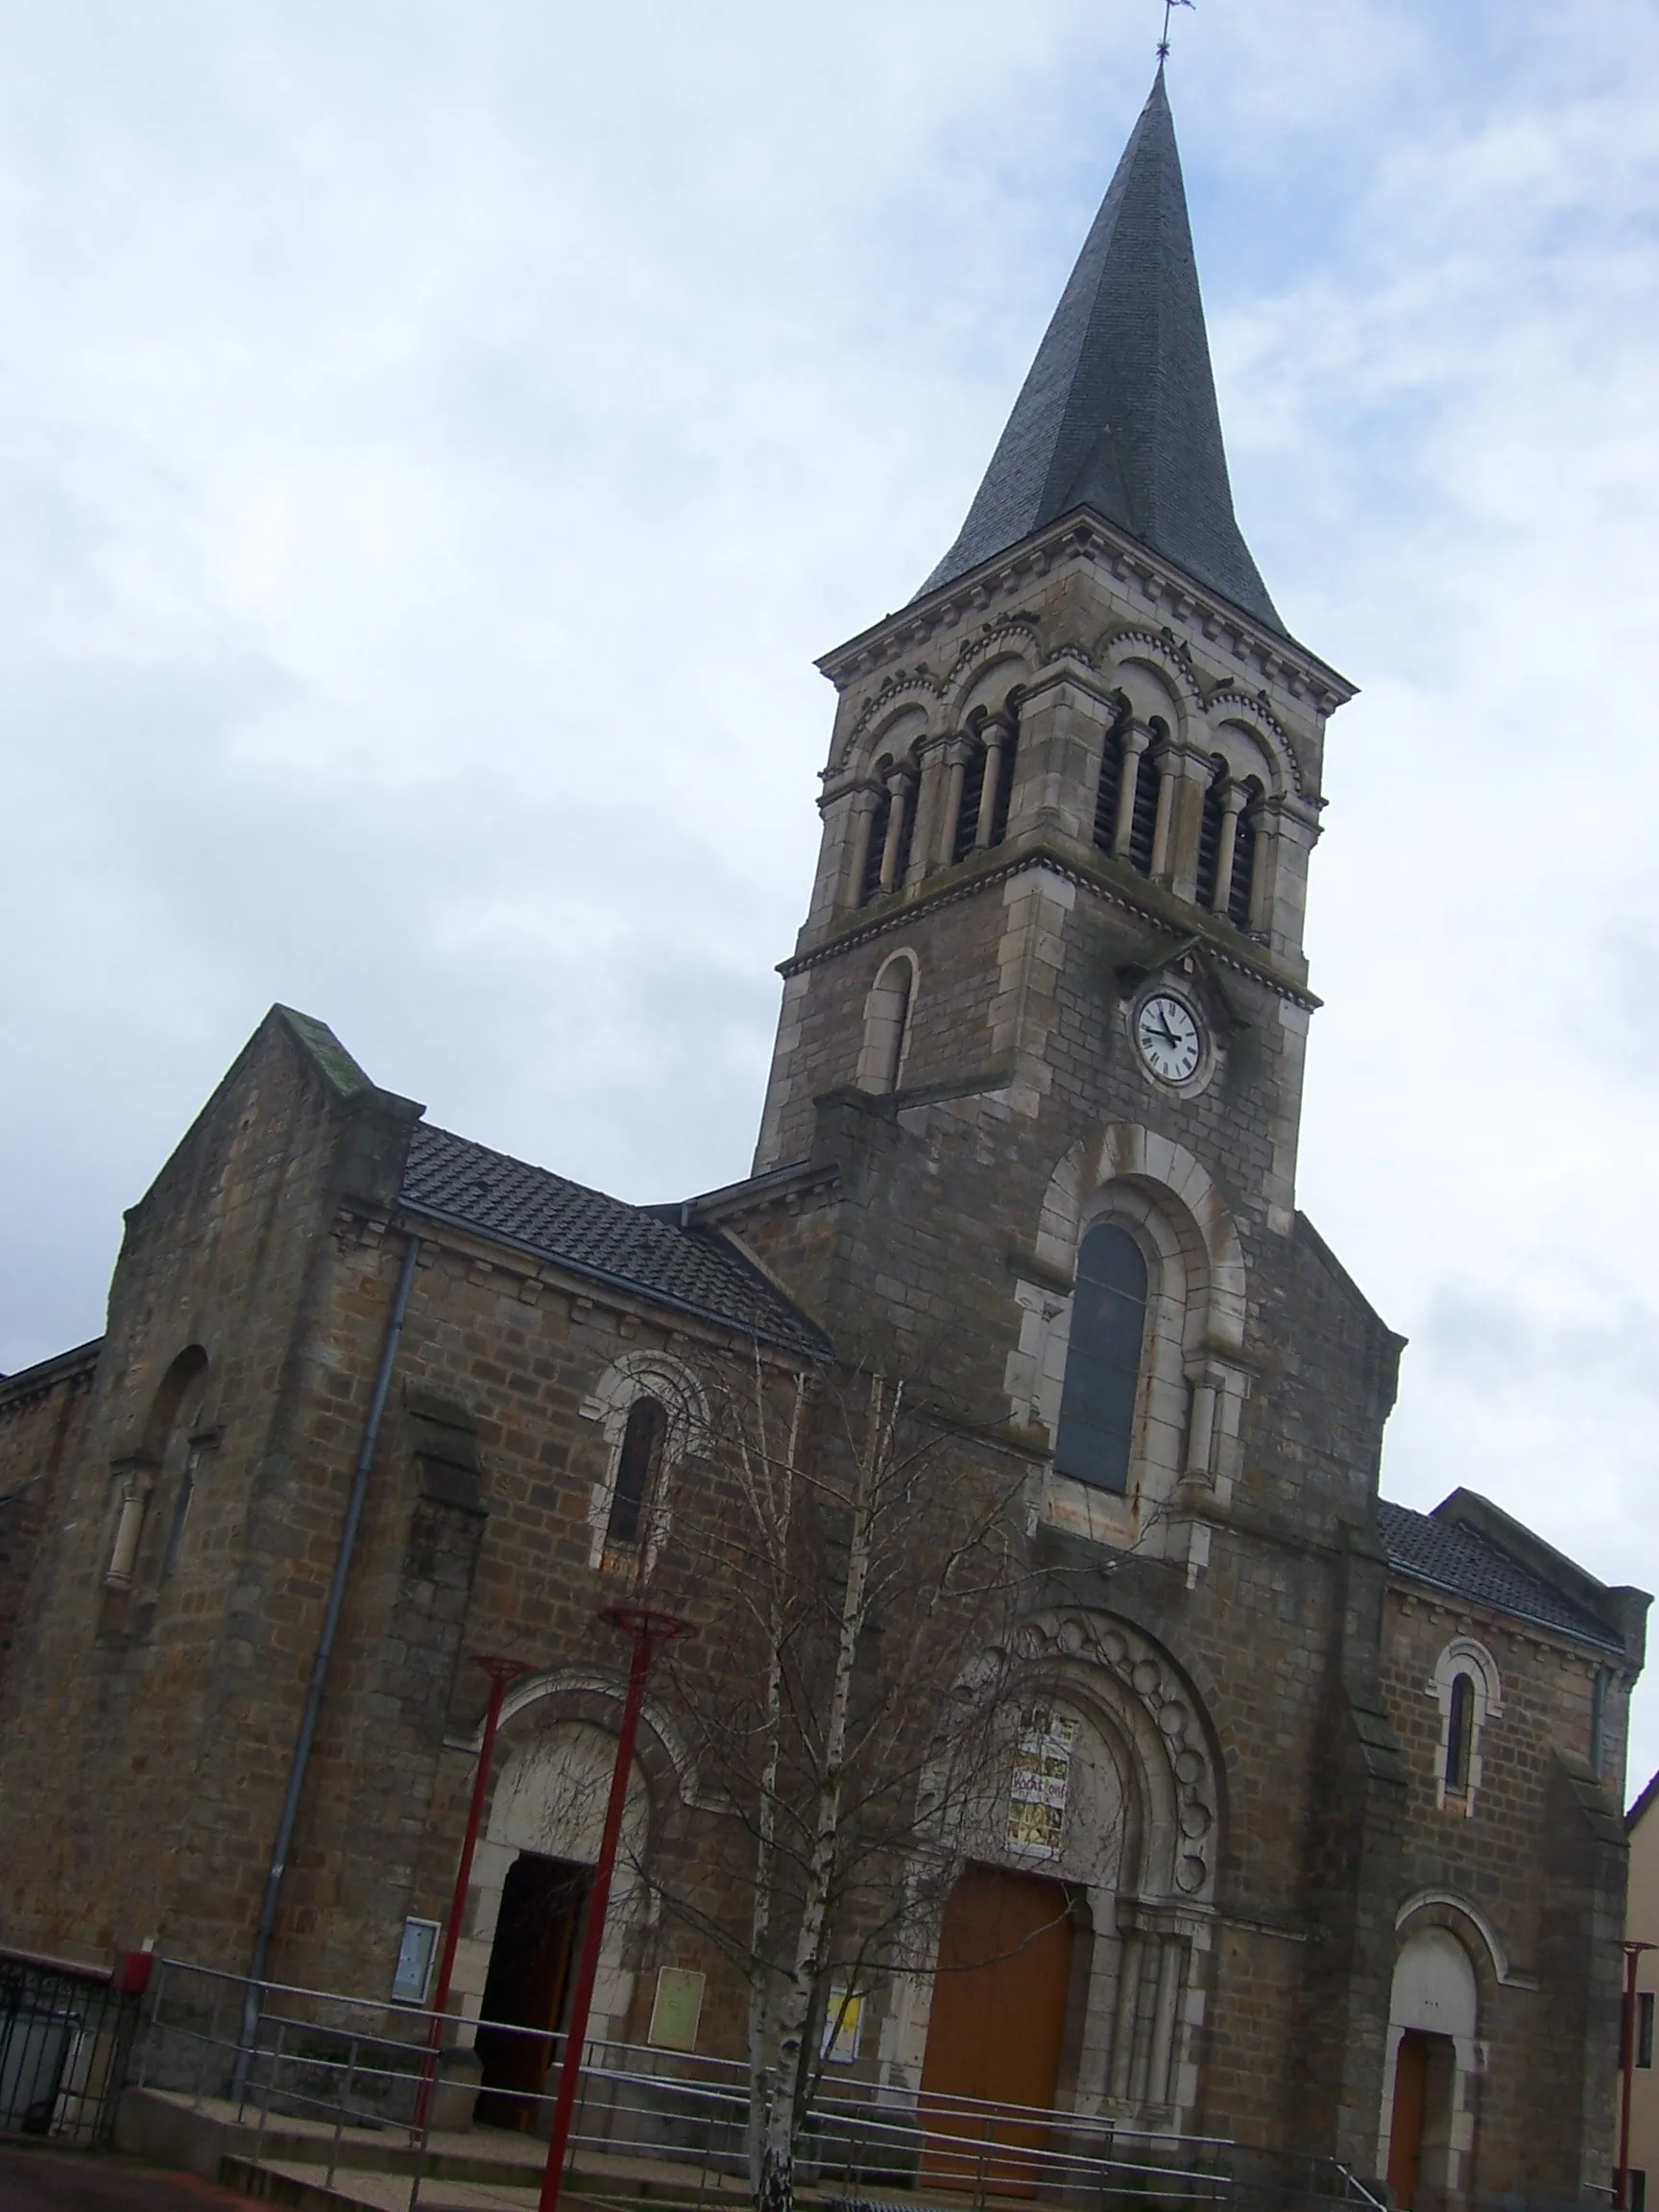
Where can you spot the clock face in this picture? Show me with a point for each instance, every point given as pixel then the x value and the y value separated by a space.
pixel 1168 1038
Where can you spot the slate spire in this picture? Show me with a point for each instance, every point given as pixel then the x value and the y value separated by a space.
pixel 1119 411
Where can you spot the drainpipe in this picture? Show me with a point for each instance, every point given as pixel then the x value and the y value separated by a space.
pixel 313 1706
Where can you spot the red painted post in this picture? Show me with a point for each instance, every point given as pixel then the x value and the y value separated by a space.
pixel 502 1671
pixel 648 1630
pixel 1621 2179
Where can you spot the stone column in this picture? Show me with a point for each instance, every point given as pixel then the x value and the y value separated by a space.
pixel 137 1482
pixel 994 736
pixel 899 792
pixel 864 804
pixel 1171 1962
pixel 1128 2006
pixel 1166 765
pixel 957 752
pixel 1136 740
pixel 927 807
pixel 1233 803
pixel 1188 775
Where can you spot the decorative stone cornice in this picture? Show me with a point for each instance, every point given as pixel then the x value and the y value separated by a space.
pixel 942 890
pixel 1083 536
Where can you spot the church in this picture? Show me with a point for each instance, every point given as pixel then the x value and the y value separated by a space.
pixel 1033 1111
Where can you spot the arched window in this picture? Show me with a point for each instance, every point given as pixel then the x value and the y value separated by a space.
pixel 636 1470
pixel 158 1480
pixel 1460 1735
pixel 1467 1689
pixel 1096 1429
pixel 887 1015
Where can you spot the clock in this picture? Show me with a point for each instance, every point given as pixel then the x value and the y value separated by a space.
pixel 1168 1038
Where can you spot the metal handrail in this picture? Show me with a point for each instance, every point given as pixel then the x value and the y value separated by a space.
pixel 686 2109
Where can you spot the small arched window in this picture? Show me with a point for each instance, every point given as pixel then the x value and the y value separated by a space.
pixel 1209 823
pixel 1111 784
pixel 973 797
pixel 638 1468
pixel 1096 1440
pixel 1460 1735
pixel 887 1015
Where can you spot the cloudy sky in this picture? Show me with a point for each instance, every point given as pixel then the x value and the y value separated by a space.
pixel 436 439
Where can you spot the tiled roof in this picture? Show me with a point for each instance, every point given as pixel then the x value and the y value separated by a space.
pixel 601 1238
pixel 1466 1564
pixel 1119 412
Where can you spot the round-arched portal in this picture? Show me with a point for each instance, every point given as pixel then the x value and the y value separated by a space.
pixel 533 1877
pixel 1428 2109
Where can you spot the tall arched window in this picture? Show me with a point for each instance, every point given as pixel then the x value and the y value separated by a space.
pixel 1096 1430
pixel 636 1470
pixel 1460 1735
pixel 973 795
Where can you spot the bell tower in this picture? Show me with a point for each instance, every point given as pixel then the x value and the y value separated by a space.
pixel 1078 775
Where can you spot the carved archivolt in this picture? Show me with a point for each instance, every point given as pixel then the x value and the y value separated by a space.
pixel 1096 1659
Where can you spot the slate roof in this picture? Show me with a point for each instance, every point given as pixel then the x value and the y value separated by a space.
pixel 603 1238
pixel 1119 411
pixel 1467 1564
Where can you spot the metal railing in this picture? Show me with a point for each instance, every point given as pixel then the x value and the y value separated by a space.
pixel 327 2083
pixel 64 2038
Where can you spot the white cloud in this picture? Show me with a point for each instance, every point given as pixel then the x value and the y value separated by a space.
pixel 434 442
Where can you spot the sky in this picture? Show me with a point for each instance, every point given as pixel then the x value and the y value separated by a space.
pixel 437 439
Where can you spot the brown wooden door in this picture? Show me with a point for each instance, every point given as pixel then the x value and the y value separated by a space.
pixel 1410 2109
pixel 995 2027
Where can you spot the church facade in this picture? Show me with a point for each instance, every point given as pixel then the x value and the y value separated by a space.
pixel 1032 1119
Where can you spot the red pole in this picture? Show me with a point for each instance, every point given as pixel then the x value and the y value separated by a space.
pixel 1621 2179
pixel 500 1672
pixel 648 1629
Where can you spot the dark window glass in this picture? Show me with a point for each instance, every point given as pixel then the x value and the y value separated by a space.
pixel 1103 1361
pixel 1144 822
pixel 1636 2195
pixel 1209 833
pixel 878 845
pixel 1460 1734
pixel 1243 862
pixel 1110 784
pixel 972 792
pixel 642 1442
pixel 1645 2028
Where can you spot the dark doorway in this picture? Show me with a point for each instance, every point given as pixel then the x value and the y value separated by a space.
pixel 1419 2133
pixel 996 2028
pixel 531 1963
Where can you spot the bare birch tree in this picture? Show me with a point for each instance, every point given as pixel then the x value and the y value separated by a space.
pixel 864 1555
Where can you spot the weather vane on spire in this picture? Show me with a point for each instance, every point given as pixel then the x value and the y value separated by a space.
pixel 1169 5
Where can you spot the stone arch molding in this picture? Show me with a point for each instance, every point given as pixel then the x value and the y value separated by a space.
pixel 1188 1420
pixel 1133 1689
pixel 1140 1850
pixel 637 1374
pixel 1126 1151
pixel 585 1692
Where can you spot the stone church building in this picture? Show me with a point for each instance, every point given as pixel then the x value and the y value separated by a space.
pixel 1034 1104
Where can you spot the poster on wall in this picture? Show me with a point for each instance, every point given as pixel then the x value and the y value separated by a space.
pixel 1037 1795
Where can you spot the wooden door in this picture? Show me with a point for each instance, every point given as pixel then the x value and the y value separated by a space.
pixel 995 2027
pixel 1410 2109
pixel 531 1963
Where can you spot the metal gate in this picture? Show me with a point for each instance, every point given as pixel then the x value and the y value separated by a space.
pixel 63 2041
